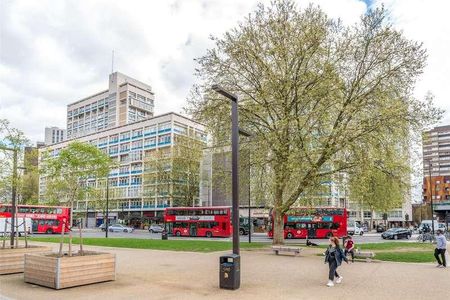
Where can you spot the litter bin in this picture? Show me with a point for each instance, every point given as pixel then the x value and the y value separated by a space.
pixel 164 235
pixel 230 272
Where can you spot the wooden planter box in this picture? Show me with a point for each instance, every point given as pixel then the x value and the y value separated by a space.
pixel 12 260
pixel 63 272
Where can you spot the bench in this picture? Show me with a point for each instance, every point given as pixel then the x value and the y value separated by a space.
pixel 368 255
pixel 289 249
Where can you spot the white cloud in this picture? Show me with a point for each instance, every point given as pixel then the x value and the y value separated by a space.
pixel 51 57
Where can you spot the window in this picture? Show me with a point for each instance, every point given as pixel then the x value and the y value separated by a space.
pixel 136 180
pixel 124 147
pixel 113 138
pixel 123 181
pixel 137 133
pixel 164 139
pixel 367 214
pixel 136 144
pixel 124 169
pixel 125 136
pixel 150 130
pixel 149 142
pixel 164 127
pixel 113 149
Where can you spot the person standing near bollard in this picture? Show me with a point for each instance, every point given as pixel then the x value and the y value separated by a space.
pixel 441 246
pixel 334 257
pixel 349 246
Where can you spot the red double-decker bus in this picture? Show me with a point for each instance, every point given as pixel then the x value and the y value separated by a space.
pixel 318 222
pixel 45 219
pixel 198 221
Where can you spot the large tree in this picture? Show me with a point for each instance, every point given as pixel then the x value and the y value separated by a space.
pixel 313 92
pixel 67 173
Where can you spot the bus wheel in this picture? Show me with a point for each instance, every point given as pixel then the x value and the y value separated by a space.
pixel 241 231
pixel 49 231
pixel 178 233
pixel 329 235
pixel 289 235
pixel 208 234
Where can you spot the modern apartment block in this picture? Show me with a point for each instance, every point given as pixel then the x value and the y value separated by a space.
pixel 436 164
pixel 120 121
pixel 126 100
pixel 130 145
pixel 54 135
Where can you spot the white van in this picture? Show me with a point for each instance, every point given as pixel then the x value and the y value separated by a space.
pixel 23 226
pixel 437 225
pixel 354 228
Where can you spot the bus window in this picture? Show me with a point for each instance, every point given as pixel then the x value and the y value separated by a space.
pixel 300 226
pixel 335 226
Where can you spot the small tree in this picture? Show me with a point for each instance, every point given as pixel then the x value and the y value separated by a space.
pixel 67 173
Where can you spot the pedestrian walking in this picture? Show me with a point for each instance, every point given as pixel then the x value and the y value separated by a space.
pixel 334 257
pixel 441 246
pixel 349 246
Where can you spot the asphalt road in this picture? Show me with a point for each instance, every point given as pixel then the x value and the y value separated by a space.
pixel 256 237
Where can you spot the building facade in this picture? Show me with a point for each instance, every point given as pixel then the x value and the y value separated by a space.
pixel 436 170
pixel 120 121
pixel 130 196
pixel 126 100
pixel 54 135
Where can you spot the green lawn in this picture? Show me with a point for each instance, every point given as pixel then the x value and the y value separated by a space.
pixel 395 246
pixel 413 256
pixel 174 245
pixel 400 251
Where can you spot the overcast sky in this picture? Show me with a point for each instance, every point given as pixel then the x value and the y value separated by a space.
pixel 56 52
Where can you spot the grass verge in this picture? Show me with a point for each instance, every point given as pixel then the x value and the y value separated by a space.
pixel 413 256
pixel 173 245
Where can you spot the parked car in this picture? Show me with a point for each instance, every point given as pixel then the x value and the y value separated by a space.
pixel 156 228
pixel 119 228
pixel 396 233
pixel 381 228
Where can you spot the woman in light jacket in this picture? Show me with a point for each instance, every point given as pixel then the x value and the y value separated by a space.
pixel 334 257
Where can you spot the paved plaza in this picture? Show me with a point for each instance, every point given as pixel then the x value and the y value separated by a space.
pixel 151 274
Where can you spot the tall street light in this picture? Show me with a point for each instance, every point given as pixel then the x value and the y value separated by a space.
pixel 13 193
pixel 235 284
pixel 431 196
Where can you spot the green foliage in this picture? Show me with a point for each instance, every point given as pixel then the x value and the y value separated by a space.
pixel 10 138
pixel 67 173
pixel 315 94
pixel 175 171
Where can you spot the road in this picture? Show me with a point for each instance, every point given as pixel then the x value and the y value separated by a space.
pixel 256 237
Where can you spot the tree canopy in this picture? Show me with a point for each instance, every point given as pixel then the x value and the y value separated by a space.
pixel 314 93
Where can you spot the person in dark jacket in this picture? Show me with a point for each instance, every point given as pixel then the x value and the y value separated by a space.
pixel 334 257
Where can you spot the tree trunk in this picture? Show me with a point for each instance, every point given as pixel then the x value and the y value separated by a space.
pixel 278 227
pixel 70 228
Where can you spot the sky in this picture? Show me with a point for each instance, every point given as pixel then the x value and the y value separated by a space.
pixel 53 53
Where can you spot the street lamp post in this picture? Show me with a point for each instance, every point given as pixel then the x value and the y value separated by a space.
pixel 431 197
pixel 232 281
pixel 234 163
